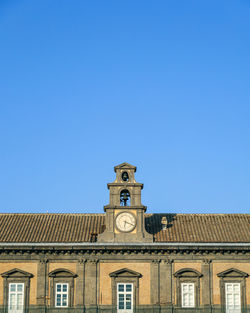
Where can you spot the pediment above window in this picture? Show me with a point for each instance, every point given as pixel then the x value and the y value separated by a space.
pixel 61 272
pixel 187 272
pixel 16 273
pixel 232 272
pixel 125 273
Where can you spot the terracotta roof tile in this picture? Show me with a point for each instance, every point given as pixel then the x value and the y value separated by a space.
pixel 48 228
pixel 202 227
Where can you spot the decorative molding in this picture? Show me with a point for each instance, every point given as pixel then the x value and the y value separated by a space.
pixel 207 261
pixel 93 261
pixel 17 273
pixel 168 261
pixel 48 252
pixel 44 260
pixel 156 261
pixel 232 272
pixel 125 272
pixel 187 272
pixel 61 272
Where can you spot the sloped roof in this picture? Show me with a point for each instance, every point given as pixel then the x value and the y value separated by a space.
pixel 77 228
pixel 125 165
pixel 201 227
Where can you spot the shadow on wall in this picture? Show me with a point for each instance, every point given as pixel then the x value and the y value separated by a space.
pixel 153 222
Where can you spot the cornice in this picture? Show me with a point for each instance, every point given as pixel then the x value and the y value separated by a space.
pixel 133 244
pixel 124 249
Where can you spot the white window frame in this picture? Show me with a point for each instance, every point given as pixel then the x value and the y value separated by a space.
pixel 182 295
pixel 125 293
pixel 232 309
pixel 16 293
pixel 62 293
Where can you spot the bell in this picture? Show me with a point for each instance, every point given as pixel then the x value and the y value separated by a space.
pixel 124 197
pixel 125 176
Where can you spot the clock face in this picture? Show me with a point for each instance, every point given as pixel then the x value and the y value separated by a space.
pixel 125 221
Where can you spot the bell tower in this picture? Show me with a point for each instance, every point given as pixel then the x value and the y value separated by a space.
pixel 125 220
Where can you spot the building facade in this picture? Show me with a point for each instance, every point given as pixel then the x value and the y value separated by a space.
pixel 125 260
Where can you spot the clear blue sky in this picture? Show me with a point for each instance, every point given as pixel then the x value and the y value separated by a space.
pixel 163 85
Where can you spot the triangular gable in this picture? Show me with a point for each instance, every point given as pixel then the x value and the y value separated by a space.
pixel 16 273
pixel 125 165
pixel 125 273
pixel 232 272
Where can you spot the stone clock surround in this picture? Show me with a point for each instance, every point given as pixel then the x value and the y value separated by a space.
pixel 127 213
pixel 139 234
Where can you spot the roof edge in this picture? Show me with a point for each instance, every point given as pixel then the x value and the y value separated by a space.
pixel 135 244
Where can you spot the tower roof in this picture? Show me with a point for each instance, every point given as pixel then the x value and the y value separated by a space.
pixel 125 166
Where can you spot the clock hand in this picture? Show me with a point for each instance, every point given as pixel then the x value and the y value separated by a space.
pixel 130 223
pixel 125 222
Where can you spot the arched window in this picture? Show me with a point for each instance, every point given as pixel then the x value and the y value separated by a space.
pixel 62 288
pixel 188 287
pixel 125 197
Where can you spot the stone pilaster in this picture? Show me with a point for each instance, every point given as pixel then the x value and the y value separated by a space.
pixel 155 282
pixel 42 282
pixel 206 282
pixel 91 278
pixel 80 270
pixel 166 282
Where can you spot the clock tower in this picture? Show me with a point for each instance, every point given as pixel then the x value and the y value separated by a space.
pixel 125 220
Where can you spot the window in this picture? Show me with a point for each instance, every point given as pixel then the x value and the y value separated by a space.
pixel 124 297
pixel 16 290
pixel 62 295
pixel 16 297
pixel 187 291
pixel 188 287
pixel 232 297
pixel 62 288
pixel 125 290
pixel 233 290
